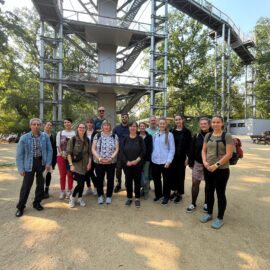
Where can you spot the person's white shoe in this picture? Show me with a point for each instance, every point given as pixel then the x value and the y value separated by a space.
pixel 108 200
pixel 72 202
pixel 81 202
pixel 100 200
pixel 88 191
pixel 62 195
pixel 95 191
pixel 68 194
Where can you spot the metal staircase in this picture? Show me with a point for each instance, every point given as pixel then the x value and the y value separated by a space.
pixel 130 15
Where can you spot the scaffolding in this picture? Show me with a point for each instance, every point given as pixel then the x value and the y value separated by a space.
pixel 108 34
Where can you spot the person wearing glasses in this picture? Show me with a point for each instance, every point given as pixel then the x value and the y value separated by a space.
pixel 62 139
pixel 99 119
pixel 122 131
pixel 33 156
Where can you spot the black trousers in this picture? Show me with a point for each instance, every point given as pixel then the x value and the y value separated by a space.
pixel 133 173
pixel 178 170
pixel 28 180
pixel 91 175
pixel 157 171
pixel 80 179
pixel 119 168
pixel 216 181
pixel 101 170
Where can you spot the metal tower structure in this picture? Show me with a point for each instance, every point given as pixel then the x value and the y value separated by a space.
pixel 107 33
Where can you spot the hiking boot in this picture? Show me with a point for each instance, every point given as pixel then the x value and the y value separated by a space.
pixel 205 218
pixel 100 200
pixel 217 223
pixel 191 208
pixel 137 203
pixel 128 202
pixel 81 202
pixel 117 189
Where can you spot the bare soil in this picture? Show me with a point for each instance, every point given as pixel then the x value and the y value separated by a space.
pixel 152 237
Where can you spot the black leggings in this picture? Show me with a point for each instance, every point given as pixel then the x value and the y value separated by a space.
pixel 133 174
pixel 80 178
pixel 91 175
pixel 216 181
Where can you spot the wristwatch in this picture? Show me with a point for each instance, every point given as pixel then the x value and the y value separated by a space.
pixel 217 164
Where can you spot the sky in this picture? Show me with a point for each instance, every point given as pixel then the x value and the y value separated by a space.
pixel 244 13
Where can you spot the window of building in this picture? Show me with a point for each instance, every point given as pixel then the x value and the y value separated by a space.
pixel 241 124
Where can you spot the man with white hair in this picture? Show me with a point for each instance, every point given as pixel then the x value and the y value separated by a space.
pixel 99 119
pixel 34 155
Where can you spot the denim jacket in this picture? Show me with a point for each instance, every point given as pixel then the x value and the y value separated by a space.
pixel 24 155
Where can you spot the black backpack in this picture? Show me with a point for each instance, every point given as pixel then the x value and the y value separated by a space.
pixel 235 157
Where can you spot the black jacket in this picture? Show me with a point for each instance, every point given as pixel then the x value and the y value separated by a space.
pixel 182 141
pixel 148 141
pixel 195 152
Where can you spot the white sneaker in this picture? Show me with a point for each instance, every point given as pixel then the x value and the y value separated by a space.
pixel 191 208
pixel 81 202
pixel 95 191
pixel 68 194
pixel 108 200
pixel 88 191
pixel 62 195
pixel 100 200
pixel 72 202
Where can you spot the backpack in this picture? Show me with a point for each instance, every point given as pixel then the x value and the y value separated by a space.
pixel 79 156
pixel 237 150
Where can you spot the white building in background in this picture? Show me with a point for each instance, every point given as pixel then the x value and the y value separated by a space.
pixel 250 126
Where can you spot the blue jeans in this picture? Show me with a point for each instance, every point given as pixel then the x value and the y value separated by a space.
pixel 145 181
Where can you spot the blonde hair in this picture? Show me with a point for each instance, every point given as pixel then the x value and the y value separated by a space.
pixel 166 129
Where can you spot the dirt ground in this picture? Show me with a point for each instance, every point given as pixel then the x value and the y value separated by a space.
pixel 152 237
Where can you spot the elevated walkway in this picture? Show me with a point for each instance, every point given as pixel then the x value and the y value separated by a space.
pixel 213 18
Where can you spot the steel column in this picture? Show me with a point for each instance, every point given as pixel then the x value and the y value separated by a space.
pixel 229 80
pixel 223 73
pixel 41 72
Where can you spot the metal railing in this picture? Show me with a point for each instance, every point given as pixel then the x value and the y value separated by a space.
pixel 109 21
pixel 86 77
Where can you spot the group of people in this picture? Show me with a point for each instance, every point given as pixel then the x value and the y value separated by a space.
pixel 95 150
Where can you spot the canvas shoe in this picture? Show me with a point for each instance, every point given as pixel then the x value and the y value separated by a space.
pixel 205 218
pixel 137 203
pixel 217 223
pixel 128 202
pixel 191 208
pixel 205 209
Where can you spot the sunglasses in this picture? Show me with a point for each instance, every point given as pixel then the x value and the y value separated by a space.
pixel 101 111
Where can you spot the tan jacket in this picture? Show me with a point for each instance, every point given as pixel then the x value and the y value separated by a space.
pixel 80 166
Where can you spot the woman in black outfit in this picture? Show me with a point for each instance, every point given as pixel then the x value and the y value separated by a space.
pixel 196 164
pixel 148 140
pixel 182 138
pixel 132 154
pixel 48 130
pixel 90 132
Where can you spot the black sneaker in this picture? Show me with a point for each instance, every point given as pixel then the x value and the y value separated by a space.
pixel 117 189
pixel 165 202
pixel 178 199
pixel 156 199
pixel 137 203
pixel 128 202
